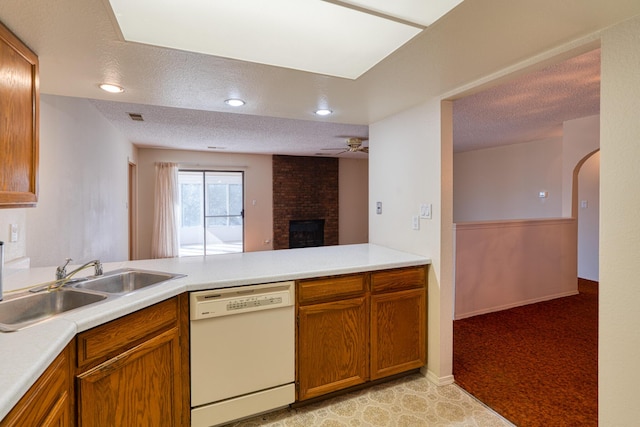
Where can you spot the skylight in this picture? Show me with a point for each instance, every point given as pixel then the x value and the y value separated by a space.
pixel 326 37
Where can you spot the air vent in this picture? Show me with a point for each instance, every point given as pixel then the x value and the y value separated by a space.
pixel 136 117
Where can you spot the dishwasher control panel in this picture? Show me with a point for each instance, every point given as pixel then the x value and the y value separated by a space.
pixel 239 304
pixel 229 301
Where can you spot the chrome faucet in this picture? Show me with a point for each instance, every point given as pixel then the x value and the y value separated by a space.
pixel 61 271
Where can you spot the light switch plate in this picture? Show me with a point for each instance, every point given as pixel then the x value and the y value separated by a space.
pixel 379 208
pixel 14 233
pixel 425 210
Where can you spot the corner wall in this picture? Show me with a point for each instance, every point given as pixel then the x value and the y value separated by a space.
pixel 619 340
pixel 82 208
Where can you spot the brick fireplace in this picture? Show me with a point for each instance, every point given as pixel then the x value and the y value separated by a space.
pixel 305 191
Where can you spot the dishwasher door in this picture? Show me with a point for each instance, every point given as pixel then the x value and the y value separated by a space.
pixel 242 342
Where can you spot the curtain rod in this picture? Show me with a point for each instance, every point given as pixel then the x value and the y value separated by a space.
pixel 182 165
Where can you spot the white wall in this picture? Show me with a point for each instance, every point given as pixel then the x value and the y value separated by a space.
pixel 353 201
pixel 258 219
pixel 588 213
pixel 13 250
pixel 504 182
pixel 402 176
pixel 580 137
pixel 619 340
pixel 82 203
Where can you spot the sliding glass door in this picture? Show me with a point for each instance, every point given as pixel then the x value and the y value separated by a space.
pixel 211 212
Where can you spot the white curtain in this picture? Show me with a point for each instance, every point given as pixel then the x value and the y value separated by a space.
pixel 164 242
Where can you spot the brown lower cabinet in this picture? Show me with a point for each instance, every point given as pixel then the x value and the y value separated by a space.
pixel 49 402
pixel 336 356
pixel 360 327
pixel 132 371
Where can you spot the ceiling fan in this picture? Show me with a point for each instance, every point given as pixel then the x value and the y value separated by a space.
pixel 354 145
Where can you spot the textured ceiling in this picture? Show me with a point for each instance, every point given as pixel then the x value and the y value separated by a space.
pixel 181 94
pixel 529 108
pixel 234 133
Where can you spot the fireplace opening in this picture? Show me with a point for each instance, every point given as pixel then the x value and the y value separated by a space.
pixel 306 233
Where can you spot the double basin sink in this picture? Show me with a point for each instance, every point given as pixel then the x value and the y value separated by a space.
pixel 32 307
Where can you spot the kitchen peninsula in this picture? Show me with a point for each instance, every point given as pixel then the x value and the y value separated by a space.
pixel 27 353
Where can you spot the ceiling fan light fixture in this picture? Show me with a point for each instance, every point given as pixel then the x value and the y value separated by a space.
pixel 234 102
pixel 111 88
pixel 323 112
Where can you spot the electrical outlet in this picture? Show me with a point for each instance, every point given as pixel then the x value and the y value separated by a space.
pixel 415 222
pixel 379 208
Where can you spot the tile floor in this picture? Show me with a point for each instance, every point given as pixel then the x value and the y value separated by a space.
pixel 411 401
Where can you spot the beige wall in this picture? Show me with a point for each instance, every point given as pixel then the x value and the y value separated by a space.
pixel 504 182
pixel 580 137
pixel 258 232
pixel 619 340
pixel 506 264
pixel 258 220
pixel 589 218
pixel 353 201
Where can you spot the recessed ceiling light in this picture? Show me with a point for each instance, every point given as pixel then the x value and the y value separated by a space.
pixel 234 102
pixel 323 112
pixel 111 88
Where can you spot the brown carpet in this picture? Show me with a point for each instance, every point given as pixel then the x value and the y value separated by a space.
pixel 536 365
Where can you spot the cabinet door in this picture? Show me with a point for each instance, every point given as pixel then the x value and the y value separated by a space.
pixel 140 387
pixel 332 346
pixel 19 115
pixel 48 403
pixel 398 325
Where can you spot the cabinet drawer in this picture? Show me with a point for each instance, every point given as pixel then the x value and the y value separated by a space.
pixel 101 342
pixel 331 288
pixel 398 279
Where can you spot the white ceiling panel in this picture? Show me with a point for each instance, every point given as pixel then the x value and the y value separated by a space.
pixel 307 35
pixel 423 12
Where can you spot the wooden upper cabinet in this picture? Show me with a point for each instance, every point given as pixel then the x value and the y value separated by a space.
pixel 19 122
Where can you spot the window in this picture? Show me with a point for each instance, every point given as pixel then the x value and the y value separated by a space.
pixel 211 212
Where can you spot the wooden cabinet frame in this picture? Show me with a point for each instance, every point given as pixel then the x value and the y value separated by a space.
pixel 19 122
pixel 357 328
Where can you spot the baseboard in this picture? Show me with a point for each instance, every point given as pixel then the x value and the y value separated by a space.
pixel 515 304
pixel 439 381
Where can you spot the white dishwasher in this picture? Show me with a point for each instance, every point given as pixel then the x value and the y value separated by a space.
pixel 242 352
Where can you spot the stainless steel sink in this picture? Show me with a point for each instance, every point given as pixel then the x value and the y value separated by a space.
pixel 125 281
pixel 29 308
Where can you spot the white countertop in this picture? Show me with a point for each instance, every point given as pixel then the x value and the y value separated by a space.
pixel 25 354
